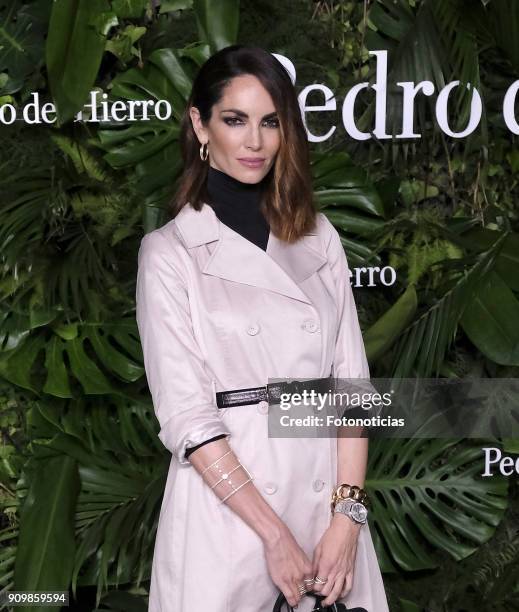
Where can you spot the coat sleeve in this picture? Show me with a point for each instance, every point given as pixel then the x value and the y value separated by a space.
pixel 349 356
pixel 182 392
pixel 192 449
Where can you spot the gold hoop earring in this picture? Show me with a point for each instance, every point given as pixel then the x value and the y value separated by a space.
pixel 204 154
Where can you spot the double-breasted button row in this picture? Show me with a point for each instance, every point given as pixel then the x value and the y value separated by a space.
pixel 271 487
pixel 309 325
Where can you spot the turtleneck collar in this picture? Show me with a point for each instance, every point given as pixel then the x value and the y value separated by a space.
pixel 225 191
pixel 238 205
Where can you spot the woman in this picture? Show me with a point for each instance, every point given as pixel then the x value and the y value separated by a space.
pixel 247 283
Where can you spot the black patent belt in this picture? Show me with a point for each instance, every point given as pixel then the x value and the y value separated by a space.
pixel 272 392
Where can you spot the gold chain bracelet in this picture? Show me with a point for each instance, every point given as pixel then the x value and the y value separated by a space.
pixel 347 491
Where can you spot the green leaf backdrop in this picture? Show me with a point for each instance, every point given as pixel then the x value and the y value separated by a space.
pixel 82 468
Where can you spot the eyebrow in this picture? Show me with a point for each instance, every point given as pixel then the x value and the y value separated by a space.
pixel 244 115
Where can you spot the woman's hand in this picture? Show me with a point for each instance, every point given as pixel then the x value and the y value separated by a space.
pixel 334 558
pixel 287 563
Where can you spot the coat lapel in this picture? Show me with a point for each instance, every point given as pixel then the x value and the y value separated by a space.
pixel 282 268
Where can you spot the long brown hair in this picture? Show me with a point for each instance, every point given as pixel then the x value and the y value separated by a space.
pixel 288 202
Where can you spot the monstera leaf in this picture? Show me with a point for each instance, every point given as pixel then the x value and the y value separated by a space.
pixel 22 35
pixel 150 148
pixel 337 180
pixel 350 201
pixel 93 351
pixel 427 495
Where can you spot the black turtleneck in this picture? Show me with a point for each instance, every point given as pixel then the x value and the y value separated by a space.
pixel 237 205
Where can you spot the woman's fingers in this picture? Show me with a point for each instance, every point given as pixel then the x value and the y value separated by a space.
pixel 340 587
pixel 334 591
pixel 308 573
pixel 325 573
pixel 289 566
pixel 348 584
pixel 294 590
pixel 308 580
pixel 292 594
pixel 304 580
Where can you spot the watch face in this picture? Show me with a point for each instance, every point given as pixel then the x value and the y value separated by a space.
pixel 359 512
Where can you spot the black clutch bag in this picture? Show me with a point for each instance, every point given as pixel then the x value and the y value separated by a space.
pixel 281 605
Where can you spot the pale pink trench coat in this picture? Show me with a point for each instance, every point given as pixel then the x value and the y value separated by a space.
pixel 216 312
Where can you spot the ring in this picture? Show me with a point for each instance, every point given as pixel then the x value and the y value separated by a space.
pixel 319 580
pixel 308 580
pixel 302 589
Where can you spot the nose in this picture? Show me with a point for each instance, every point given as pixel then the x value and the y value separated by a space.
pixel 254 138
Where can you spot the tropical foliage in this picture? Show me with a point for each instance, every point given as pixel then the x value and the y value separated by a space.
pixel 82 469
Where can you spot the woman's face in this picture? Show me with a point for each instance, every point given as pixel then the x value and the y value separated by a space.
pixel 243 133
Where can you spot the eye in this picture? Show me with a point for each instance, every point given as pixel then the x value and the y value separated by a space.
pixel 232 121
pixel 273 123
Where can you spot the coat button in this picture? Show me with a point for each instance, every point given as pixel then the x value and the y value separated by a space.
pixel 310 326
pixel 263 407
pixel 270 488
pixel 253 329
pixel 318 485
